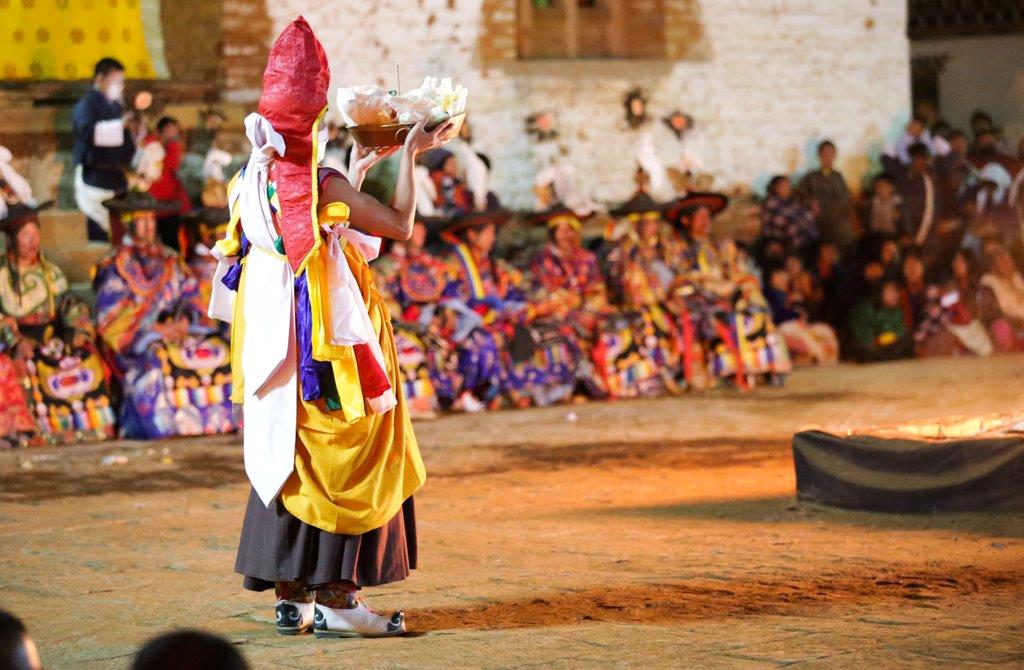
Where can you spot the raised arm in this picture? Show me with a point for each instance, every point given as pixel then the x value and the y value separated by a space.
pixel 373 217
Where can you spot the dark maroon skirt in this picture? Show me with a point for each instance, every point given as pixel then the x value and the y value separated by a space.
pixel 277 547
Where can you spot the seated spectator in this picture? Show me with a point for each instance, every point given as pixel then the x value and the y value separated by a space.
pixel 570 292
pixel 17 425
pixel 891 257
pixel 808 342
pixel 199 235
pixel 787 226
pixel 806 291
pixel 876 329
pixel 190 649
pixel 959 311
pixel 428 332
pixel 837 284
pixel 17 650
pixel 746 345
pixel 913 292
pixel 536 359
pixel 452 196
pixel 492 289
pixel 1002 301
pixel 51 336
pixel 175 372
pixel 990 202
pixel 645 350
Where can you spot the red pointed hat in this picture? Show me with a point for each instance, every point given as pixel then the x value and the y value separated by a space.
pixel 294 99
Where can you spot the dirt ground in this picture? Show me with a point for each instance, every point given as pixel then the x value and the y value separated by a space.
pixel 662 533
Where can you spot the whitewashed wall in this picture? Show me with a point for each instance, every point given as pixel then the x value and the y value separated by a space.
pixel 778 75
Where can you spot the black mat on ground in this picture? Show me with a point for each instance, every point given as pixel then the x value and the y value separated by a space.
pixel 905 475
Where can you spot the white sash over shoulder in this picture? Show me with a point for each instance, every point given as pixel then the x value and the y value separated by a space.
pixel 268 349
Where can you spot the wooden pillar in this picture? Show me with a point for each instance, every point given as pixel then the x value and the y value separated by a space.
pixel 524 18
pixel 571 28
pixel 616 28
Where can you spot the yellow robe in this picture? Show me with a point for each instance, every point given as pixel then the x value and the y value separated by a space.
pixel 350 476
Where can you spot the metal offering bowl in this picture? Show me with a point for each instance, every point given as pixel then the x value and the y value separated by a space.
pixel 394 134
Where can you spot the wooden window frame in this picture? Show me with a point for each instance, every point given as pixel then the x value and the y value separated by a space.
pixel 615 40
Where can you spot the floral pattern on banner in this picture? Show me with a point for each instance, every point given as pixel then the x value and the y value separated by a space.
pixel 63 39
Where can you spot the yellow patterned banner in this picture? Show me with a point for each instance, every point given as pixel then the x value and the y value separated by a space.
pixel 63 39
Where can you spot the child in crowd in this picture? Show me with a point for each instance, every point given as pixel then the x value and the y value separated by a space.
pixel 876 329
pixel 887 214
pixel 808 342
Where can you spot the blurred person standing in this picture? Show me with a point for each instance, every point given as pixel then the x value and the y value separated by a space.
pixel 824 191
pixel 103 147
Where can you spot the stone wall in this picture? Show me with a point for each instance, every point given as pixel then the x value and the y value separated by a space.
pixel 247 34
pixel 769 79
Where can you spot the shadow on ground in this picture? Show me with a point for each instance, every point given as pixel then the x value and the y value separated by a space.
pixel 696 453
pixel 703 599
pixel 786 510
pixel 189 471
pixel 199 466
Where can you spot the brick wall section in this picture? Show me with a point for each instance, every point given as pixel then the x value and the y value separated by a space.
pixel 764 79
pixel 193 40
pixel 498 25
pixel 247 33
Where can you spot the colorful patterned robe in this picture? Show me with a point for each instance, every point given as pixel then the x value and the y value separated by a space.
pixel 641 353
pixel 572 290
pixel 730 317
pixel 51 335
pixel 170 388
pixel 413 282
pixel 533 363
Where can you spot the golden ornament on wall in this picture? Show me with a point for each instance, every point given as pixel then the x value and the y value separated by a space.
pixel 636 108
pixel 679 123
pixel 542 126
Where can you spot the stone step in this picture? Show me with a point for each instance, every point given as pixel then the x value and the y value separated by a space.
pixel 62 230
pixel 78 264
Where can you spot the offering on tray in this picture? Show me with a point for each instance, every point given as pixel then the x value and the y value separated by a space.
pixel 380 118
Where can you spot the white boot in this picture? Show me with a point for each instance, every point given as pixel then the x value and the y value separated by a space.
pixel 293 617
pixel 469 404
pixel 357 621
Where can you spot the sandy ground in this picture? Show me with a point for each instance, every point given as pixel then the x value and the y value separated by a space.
pixel 661 533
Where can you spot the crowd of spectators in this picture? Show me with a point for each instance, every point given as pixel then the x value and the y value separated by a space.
pixel 641 298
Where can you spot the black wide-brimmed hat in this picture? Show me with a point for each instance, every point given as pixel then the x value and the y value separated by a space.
pixel 19 214
pixel 435 159
pixel 435 226
pixel 556 214
pixel 454 227
pixel 140 201
pixel 210 216
pixel 687 205
pixel 640 203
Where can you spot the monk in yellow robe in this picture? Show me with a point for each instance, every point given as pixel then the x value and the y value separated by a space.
pixel 329 446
